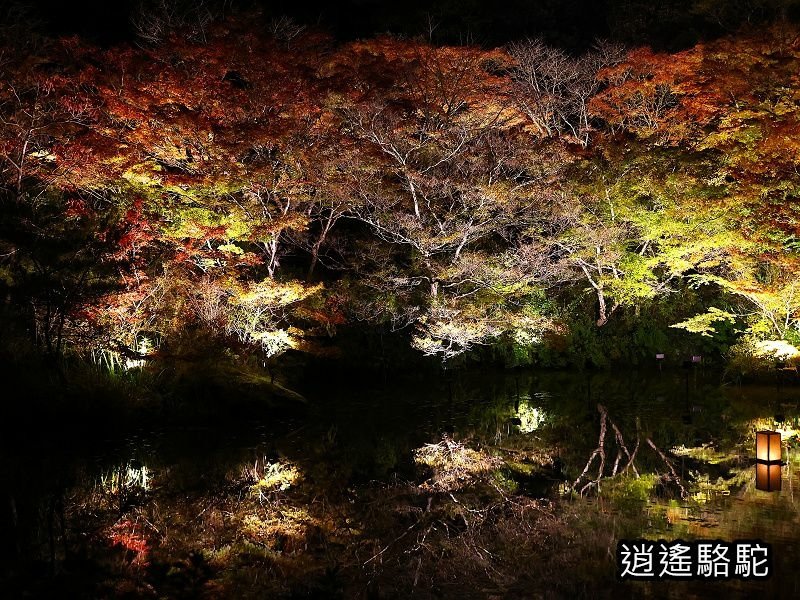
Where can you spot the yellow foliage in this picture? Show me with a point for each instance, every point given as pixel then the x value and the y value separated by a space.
pixel 276 477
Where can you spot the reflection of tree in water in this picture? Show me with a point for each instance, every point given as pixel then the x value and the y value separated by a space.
pixel 668 477
pixel 339 505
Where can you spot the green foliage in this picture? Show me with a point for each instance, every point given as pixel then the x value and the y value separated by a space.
pixel 629 492
pixel 704 324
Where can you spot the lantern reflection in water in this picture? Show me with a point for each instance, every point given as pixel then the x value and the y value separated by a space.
pixel 768 461
pixel 768 476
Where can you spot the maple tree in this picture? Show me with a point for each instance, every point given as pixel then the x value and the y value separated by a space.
pixel 553 89
pixel 455 183
pixel 465 195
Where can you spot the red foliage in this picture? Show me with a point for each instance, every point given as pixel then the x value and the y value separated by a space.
pixel 130 536
pixel 76 208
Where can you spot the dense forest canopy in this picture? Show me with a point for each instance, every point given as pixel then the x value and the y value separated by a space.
pixel 262 187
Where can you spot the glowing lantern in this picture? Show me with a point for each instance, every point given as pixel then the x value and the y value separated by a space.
pixel 768 476
pixel 768 446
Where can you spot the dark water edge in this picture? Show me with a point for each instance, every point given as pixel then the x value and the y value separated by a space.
pixel 332 497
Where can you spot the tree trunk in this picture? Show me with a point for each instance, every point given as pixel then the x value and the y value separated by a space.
pixel 602 317
pixel 318 244
pixel 314 259
pixel 272 263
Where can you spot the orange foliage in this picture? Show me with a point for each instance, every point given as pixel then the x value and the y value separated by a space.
pixel 132 538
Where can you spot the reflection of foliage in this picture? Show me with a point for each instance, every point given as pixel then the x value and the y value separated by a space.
pixel 531 417
pixel 630 492
pixel 272 477
pixel 454 465
pixel 706 453
pixel 705 490
pixel 131 536
pixel 283 530
pixel 478 523
pixel 124 485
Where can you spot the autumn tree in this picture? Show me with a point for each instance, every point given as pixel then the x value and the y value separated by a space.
pixel 216 151
pixel 202 182
pixel 553 89
pixel 57 240
pixel 447 140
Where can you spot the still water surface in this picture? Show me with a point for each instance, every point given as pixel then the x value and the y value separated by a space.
pixel 360 436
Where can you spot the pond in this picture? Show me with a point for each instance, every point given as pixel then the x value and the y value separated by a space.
pixel 473 485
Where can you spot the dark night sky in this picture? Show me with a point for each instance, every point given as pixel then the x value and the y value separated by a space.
pixel 665 24
pixel 485 22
